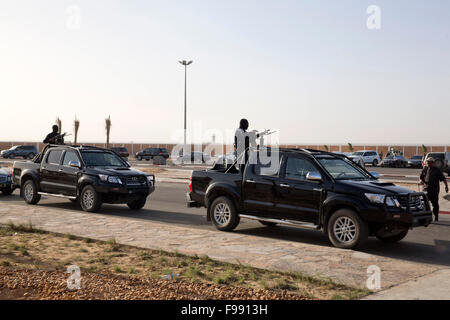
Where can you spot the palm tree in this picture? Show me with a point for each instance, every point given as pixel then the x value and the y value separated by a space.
pixel 424 149
pixel 76 126
pixel 350 147
pixel 108 130
pixel 59 124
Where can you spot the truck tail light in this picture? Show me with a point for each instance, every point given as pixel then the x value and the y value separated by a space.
pixel 190 184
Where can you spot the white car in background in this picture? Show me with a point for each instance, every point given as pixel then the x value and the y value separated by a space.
pixel 356 159
pixel 369 157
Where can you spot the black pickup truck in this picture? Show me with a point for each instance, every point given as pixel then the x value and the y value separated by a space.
pixel 88 175
pixel 310 189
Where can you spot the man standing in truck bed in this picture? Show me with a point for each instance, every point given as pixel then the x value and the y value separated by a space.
pixel 431 177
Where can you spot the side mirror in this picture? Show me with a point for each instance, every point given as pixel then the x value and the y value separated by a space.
pixel 374 174
pixel 74 164
pixel 314 176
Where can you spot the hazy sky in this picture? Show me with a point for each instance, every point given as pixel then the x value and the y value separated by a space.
pixel 311 69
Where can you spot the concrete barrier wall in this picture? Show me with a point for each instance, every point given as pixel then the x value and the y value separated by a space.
pixel 408 150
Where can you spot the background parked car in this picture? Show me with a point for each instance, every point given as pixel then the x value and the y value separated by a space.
pixel 121 151
pixel 442 160
pixel 26 152
pixel 151 153
pixel 369 156
pixel 194 157
pixel 415 161
pixel 355 158
pixel 6 181
pixel 229 158
pixel 395 161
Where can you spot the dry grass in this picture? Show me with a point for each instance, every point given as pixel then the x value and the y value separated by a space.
pixel 27 248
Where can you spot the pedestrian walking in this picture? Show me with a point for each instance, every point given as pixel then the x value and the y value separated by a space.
pixel 430 178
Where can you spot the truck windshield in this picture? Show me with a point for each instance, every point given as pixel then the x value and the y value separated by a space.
pixel 102 159
pixel 342 169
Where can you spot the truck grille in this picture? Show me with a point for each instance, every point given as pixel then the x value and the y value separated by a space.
pixel 136 181
pixel 415 202
pixel 2 179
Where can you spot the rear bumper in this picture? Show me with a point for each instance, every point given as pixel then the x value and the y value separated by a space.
pixel 192 203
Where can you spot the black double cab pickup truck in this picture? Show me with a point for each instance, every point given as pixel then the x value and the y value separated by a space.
pixel 88 175
pixel 309 189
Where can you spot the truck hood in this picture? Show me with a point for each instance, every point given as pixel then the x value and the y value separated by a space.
pixel 373 186
pixel 123 172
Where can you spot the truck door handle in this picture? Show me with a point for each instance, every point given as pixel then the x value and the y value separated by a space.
pixel 284 185
pixel 250 181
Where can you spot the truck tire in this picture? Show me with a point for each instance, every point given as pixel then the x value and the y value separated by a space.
pixel 30 192
pixel 8 191
pixel 139 158
pixel 347 230
pixel 393 237
pixel 30 156
pixel 137 204
pixel 439 164
pixel 375 162
pixel 90 199
pixel 224 214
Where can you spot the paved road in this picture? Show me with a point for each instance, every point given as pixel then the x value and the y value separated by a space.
pixel 167 205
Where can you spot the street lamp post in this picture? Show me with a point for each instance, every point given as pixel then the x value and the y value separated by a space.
pixel 185 64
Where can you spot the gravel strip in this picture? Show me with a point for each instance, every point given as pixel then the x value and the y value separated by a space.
pixel 52 285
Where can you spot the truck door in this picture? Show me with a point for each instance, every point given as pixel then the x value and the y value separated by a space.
pixel 49 172
pixel 297 197
pixel 68 175
pixel 259 187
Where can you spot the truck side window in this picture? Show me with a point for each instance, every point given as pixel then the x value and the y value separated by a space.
pixel 270 169
pixel 70 156
pixel 54 157
pixel 298 168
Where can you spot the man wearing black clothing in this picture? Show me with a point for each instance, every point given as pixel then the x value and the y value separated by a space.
pixel 52 135
pixel 431 177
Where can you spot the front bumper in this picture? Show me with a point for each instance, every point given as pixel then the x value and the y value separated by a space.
pixel 115 193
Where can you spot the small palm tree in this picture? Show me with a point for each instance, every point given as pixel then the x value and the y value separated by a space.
pixel 76 126
pixel 59 124
pixel 325 147
pixel 350 147
pixel 108 130
pixel 424 149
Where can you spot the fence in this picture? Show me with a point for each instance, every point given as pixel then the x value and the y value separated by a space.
pixel 407 150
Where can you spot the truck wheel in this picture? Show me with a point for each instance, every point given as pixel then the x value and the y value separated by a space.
pixel 90 200
pixel 267 224
pixel 8 191
pixel 139 158
pixel 31 156
pixel 392 237
pixel 375 162
pixel 347 230
pixel 30 192
pixel 224 214
pixel 439 164
pixel 137 204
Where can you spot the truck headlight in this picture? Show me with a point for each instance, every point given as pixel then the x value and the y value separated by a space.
pixel 379 198
pixel 149 181
pixel 110 179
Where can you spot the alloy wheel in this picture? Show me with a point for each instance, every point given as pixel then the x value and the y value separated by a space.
pixel 222 214
pixel 344 229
